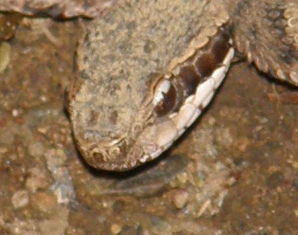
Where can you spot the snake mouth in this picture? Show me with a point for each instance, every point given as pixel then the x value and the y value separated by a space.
pixel 122 155
pixel 144 142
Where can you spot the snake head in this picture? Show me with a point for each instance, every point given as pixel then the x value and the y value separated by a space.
pixel 123 117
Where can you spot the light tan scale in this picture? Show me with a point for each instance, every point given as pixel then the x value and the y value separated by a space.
pixel 147 69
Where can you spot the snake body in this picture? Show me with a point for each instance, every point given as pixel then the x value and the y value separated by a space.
pixel 147 69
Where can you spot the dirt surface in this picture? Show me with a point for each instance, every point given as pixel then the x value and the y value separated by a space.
pixel 234 172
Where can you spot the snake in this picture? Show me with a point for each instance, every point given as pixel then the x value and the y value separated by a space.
pixel 146 70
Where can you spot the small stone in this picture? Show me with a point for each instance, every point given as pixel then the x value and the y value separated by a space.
pixel 211 121
pixel 182 177
pixel 180 198
pixel 20 199
pixel 296 213
pixel 4 56
pixel 116 228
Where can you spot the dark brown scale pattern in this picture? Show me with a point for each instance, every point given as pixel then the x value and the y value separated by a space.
pixel 220 47
pixel 189 78
pixel 180 92
pixel 192 72
pixel 205 64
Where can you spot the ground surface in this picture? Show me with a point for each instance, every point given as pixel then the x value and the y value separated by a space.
pixel 234 172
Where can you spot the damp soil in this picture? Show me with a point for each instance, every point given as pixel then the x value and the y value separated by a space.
pixel 234 172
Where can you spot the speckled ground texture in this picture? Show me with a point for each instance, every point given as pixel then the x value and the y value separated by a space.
pixel 234 172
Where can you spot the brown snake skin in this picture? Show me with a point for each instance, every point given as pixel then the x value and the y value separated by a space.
pixel 143 62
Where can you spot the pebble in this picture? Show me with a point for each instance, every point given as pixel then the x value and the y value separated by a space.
pixel 20 199
pixel 182 177
pixel 116 228
pixel 180 198
pixel 4 56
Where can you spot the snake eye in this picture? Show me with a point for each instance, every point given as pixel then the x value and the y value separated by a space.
pixel 165 97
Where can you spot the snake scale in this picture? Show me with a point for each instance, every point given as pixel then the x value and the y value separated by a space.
pixel 147 69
